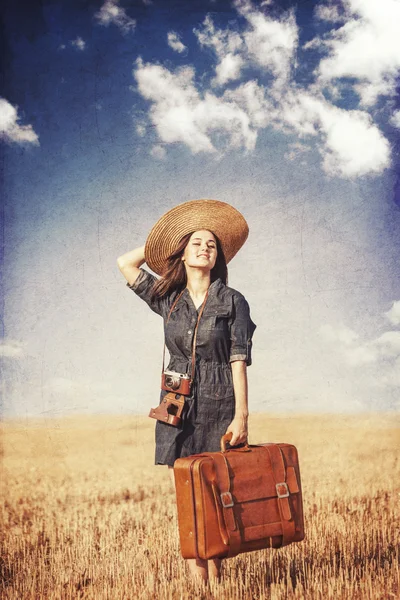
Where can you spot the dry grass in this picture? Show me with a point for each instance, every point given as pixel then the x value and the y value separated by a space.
pixel 85 514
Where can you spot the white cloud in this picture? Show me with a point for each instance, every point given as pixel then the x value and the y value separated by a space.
pixel 266 42
pixel 297 113
pixel 175 43
pixel 175 100
pixel 226 44
pixel 342 334
pixel 141 129
pixel 382 354
pixel 395 119
pixel 11 130
pixel 388 343
pixel 314 44
pixel 366 48
pixel 228 69
pixel 78 43
pixel 394 313
pixel 271 43
pixel 360 355
pixel 346 342
pixel 251 97
pixel 222 41
pixel 158 151
pixel 11 349
pixel 181 114
pixel 352 145
pixel 329 12
pixel 112 13
pixel 296 149
pixel 391 378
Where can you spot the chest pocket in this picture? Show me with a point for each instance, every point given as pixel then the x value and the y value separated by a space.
pixel 216 319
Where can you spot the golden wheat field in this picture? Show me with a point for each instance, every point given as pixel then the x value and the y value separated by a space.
pixel 85 514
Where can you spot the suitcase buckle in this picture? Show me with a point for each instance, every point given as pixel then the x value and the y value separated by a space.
pixel 282 490
pixel 226 499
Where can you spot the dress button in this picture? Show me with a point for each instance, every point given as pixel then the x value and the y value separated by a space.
pixel 190 332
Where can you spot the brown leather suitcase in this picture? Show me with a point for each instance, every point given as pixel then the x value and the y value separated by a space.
pixel 238 500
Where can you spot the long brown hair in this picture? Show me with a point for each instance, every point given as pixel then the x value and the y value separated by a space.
pixel 174 276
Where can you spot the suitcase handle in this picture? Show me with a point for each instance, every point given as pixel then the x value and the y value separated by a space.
pixel 226 438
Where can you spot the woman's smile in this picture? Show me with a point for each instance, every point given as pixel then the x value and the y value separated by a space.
pixel 202 247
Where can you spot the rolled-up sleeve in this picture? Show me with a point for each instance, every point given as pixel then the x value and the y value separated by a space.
pixel 143 287
pixel 242 329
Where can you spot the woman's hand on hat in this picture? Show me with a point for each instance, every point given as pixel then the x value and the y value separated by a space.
pixel 239 430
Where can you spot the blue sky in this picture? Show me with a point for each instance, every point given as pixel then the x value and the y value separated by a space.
pixel 113 112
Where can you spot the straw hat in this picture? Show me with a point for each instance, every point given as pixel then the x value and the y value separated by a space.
pixel 227 223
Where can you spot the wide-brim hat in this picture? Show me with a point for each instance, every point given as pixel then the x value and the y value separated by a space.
pixel 222 219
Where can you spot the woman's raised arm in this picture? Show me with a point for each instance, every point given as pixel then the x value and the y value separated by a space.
pixel 129 264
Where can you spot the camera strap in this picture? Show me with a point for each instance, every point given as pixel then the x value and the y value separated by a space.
pixel 195 330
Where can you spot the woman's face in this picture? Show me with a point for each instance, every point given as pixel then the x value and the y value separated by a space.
pixel 201 250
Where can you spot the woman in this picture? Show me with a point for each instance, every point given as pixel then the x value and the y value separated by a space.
pixel 190 247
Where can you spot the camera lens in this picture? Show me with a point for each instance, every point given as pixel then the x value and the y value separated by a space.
pixel 172 382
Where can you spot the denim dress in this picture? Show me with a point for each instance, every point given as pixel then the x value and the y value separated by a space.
pixel 224 335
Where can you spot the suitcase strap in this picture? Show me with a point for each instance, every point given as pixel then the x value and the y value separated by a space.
pixel 282 490
pixel 224 486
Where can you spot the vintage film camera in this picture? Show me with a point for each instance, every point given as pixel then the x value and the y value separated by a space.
pixel 180 383
pixel 171 407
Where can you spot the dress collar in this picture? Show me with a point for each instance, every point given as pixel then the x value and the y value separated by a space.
pixel 214 285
